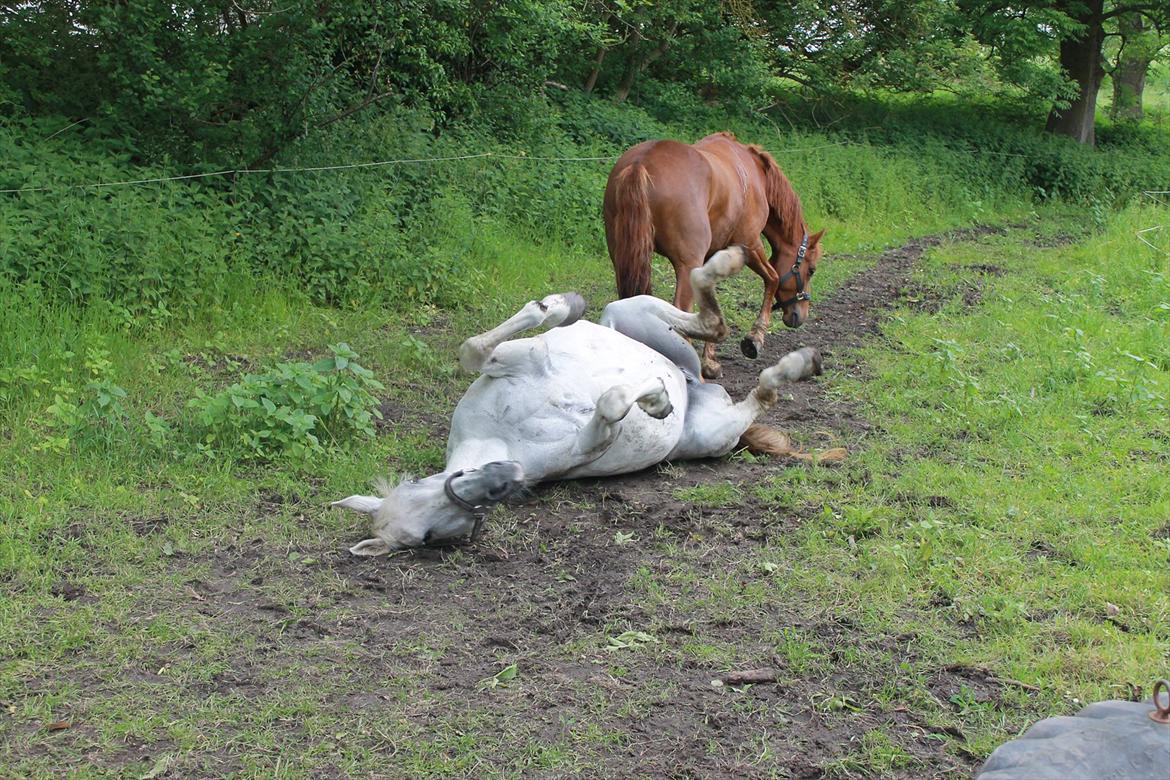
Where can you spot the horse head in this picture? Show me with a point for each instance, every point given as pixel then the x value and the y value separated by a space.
pixel 441 507
pixel 794 294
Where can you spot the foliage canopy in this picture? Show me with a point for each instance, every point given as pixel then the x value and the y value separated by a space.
pixel 227 83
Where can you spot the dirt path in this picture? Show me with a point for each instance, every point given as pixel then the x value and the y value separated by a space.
pixel 408 641
pixel 550 576
pixel 841 323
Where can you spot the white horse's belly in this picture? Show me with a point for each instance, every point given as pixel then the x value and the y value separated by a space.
pixel 537 414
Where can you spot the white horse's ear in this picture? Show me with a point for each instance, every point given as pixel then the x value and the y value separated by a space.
pixel 365 504
pixel 371 547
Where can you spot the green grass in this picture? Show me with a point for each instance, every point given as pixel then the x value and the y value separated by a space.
pixel 1016 488
pixel 1012 513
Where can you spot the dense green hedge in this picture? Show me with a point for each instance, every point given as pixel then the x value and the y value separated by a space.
pixel 405 232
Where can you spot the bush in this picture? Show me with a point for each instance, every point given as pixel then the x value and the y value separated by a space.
pixel 293 409
pixel 409 233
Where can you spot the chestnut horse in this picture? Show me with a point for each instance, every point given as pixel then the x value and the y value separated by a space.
pixel 687 202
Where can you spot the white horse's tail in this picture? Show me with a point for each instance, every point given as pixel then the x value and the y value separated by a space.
pixel 765 440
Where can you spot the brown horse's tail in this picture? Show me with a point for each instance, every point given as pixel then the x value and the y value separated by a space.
pixel 631 231
pixel 763 440
pixel 782 199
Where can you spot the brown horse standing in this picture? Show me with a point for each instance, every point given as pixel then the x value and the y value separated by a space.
pixel 687 202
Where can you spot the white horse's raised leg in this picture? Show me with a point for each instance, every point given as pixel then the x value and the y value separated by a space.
pixel 793 367
pixel 707 324
pixel 552 311
pixel 612 407
pixel 661 326
pixel 715 423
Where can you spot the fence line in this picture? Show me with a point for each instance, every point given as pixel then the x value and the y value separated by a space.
pixel 413 161
pixel 1158 196
pixel 248 171
pixel 352 166
pixel 307 169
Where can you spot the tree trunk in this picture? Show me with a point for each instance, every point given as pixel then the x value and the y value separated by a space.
pixel 636 67
pixel 591 82
pixel 1080 59
pixel 1129 80
pixel 1133 62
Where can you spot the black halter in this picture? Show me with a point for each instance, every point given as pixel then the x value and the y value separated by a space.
pixel 794 272
pixel 478 511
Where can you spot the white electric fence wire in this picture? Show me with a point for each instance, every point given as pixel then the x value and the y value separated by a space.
pixel 1162 197
pixel 351 166
pixel 246 171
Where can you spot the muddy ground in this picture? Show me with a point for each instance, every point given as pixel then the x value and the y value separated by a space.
pixel 514 597
pixel 414 635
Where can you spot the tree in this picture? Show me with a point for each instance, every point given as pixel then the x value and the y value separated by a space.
pixel 1019 31
pixel 229 82
pixel 1139 47
pixel 637 33
pixel 907 45
pixel 1081 61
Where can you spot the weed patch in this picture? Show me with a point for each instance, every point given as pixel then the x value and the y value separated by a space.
pixel 293 409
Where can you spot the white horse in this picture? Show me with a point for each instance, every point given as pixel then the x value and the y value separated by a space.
pixel 581 400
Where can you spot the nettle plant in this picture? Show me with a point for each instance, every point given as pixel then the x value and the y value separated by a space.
pixel 294 410
pixel 79 410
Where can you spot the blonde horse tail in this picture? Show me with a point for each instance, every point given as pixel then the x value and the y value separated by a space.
pixel 632 231
pixel 764 440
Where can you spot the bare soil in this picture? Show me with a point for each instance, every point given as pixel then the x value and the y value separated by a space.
pixel 547 585
pixel 547 580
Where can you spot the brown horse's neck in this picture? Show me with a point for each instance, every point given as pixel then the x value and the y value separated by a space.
pixel 786 235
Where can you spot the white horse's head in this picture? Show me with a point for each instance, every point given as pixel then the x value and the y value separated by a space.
pixel 444 506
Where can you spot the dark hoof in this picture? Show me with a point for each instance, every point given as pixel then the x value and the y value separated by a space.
pixel 750 348
pixel 576 308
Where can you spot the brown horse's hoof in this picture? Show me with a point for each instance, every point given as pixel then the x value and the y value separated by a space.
pixel 750 348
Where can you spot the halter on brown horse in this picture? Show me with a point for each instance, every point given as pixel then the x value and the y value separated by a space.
pixel 687 202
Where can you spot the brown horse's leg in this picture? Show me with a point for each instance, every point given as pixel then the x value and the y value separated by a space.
pixel 712 368
pixel 754 343
pixel 684 294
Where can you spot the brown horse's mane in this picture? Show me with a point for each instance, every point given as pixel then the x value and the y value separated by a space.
pixel 782 199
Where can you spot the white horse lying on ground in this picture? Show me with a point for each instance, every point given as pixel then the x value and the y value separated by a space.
pixel 581 400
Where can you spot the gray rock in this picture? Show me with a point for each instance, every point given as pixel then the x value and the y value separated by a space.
pixel 1109 740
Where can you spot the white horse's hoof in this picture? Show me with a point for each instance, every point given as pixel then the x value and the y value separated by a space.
pixel 562 309
pixel 657 404
pixel 793 367
pixel 576 305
